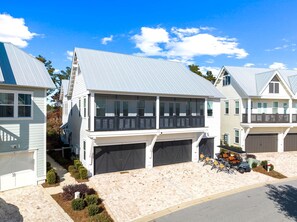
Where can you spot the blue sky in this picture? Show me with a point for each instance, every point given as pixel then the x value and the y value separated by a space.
pixel 208 33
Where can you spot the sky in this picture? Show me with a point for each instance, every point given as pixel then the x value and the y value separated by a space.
pixel 207 33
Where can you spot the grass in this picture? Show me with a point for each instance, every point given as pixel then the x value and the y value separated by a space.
pixel 272 173
pixel 77 216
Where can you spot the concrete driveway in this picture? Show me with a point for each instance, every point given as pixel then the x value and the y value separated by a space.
pixel 30 204
pixel 132 195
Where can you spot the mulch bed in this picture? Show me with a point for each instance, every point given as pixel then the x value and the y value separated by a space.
pixel 272 173
pixel 46 185
pixel 76 216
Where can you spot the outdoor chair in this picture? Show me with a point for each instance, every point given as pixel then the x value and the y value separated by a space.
pixel 215 165
pixel 201 157
pixel 208 161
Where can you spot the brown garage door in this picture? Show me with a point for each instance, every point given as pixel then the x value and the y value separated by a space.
pixel 257 143
pixel 291 142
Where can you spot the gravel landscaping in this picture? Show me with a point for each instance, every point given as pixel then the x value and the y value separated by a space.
pixel 132 195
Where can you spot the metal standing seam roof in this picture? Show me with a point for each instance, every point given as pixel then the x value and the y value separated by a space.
pixel 20 68
pixel 65 85
pixel 252 80
pixel 106 71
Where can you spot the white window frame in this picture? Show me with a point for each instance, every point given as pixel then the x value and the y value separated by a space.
pixel 16 105
pixel 210 102
pixel 236 130
pixel 274 83
pixel 236 102
pixel 228 138
pixel 227 101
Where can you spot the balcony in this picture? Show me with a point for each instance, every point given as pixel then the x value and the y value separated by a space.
pixel 113 123
pixel 168 122
pixel 268 118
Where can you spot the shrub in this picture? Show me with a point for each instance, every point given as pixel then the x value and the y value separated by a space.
pixel 51 177
pixel 78 204
pixel 271 167
pixel 69 190
pixel 76 174
pixel 83 172
pixel 71 168
pixel 91 199
pixel 254 165
pixel 264 163
pixel 77 164
pixel 93 209
pixel 102 217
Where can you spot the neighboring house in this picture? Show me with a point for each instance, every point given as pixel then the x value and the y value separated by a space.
pixel 259 112
pixel 23 84
pixel 128 112
pixel 65 111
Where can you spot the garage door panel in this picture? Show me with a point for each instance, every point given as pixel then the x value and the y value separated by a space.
pixel 171 152
pixel 290 143
pixel 257 143
pixel 119 158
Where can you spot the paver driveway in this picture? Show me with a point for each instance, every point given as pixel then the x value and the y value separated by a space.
pixel 132 195
pixel 29 204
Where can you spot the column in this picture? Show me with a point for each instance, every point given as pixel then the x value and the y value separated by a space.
pixel 291 110
pixel 157 112
pixel 249 110
pixel 92 107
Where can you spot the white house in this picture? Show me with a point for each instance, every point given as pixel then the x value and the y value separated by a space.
pixel 259 112
pixel 23 85
pixel 127 112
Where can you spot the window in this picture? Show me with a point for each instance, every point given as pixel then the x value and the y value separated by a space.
pixel 162 109
pixel 188 109
pixel 236 138
pixel 140 108
pixel 259 107
pixel 226 139
pixel 274 87
pixel 264 107
pixel 177 109
pixel 6 105
pixel 84 150
pixel 236 107
pixel 85 107
pixel 24 105
pixel 170 109
pixel 275 108
pixel 226 107
pixel 226 80
pixel 285 108
pixel 209 108
pixel 100 107
pixel 125 108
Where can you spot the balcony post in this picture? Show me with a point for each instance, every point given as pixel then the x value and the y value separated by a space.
pixel 290 110
pixel 157 112
pixel 92 107
pixel 249 110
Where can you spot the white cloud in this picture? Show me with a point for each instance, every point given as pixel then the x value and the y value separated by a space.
pixel 105 40
pixel 57 71
pixel 149 39
pixel 184 44
pixel 215 70
pixel 278 65
pixel 209 61
pixel 14 30
pixel 249 65
pixel 69 55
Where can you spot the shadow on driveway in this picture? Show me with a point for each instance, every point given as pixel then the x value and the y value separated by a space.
pixel 9 212
pixel 285 199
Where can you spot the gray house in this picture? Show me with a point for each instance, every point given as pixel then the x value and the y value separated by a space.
pixel 126 112
pixel 23 84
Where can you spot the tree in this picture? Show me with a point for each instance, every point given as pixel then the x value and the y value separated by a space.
pixel 56 77
pixel 209 76
pixel 195 69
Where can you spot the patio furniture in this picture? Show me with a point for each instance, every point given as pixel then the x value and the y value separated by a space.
pixel 215 164
pixel 208 161
pixel 202 157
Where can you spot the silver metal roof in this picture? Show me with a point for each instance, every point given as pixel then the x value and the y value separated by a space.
pixel 252 80
pixel 113 72
pixel 20 68
pixel 65 85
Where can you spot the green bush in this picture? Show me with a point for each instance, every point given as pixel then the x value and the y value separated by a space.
pixel 76 174
pixel 48 166
pixel 91 199
pixel 254 165
pixel 71 168
pixel 93 209
pixel 78 204
pixel 271 167
pixel 102 217
pixel 77 164
pixel 264 163
pixel 51 177
pixel 83 172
